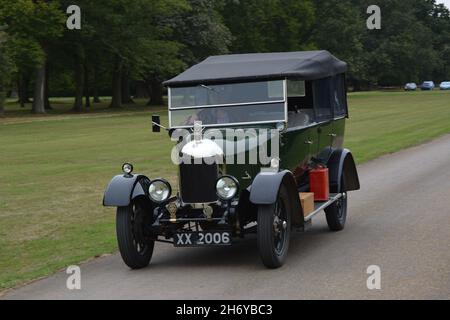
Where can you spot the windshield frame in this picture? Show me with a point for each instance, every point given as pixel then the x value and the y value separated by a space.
pixel 284 101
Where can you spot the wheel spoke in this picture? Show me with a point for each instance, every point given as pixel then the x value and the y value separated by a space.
pixel 280 226
pixel 138 244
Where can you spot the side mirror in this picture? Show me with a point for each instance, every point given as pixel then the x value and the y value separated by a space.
pixel 156 123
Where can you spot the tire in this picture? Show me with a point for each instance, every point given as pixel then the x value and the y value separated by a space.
pixel 273 230
pixel 135 253
pixel 336 213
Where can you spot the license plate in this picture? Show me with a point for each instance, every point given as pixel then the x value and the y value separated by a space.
pixel 202 239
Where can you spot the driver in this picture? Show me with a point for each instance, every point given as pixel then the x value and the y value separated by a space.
pixel 210 116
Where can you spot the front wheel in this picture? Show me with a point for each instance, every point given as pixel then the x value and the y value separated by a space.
pixel 135 248
pixel 274 228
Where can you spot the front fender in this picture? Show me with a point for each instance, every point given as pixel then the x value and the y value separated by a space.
pixel 122 189
pixel 266 186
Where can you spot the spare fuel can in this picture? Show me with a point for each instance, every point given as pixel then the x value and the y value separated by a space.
pixel 319 184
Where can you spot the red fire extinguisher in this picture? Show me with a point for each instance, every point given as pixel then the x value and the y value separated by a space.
pixel 319 183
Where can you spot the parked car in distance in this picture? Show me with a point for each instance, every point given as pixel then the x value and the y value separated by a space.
pixel 445 85
pixel 411 86
pixel 428 85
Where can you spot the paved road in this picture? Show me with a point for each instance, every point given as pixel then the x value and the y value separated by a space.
pixel 400 221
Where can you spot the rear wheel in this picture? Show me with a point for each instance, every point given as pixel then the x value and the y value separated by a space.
pixel 135 248
pixel 336 213
pixel 274 228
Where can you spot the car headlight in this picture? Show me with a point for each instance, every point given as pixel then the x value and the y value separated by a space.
pixel 127 168
pixel 227 187
pixel 159 190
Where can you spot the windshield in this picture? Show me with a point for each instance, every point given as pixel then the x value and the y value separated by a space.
pixel 225 94
pixel 228 103
pixel 229 115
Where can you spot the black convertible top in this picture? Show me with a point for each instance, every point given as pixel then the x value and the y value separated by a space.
pixel 303 65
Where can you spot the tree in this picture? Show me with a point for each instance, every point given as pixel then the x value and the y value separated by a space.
pixel 202 31
pixel 402 51
pixel 167 53
pixel 197 33
pixel 437 18
pixel 123 27
pixel 269 25
pixel 26 55
pixel 6 67
pixel 340 29
pixel 38 21
pixel 72 50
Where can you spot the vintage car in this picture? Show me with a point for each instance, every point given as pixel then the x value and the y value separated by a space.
pixel 220 111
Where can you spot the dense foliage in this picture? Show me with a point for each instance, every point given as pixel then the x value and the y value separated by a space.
pixel 125 49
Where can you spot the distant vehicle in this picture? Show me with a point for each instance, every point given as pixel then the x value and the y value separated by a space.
pixel 428 85
pixel 411 86
pixel 445 85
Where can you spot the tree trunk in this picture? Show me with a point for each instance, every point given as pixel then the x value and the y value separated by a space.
pixel 87 97
pixel 142 90
pixel 20 90
pixel 2 100
pixel 47 105
pixel 126 95
pixel 156 93
pixel 356 85
pixel 96 98
pixel 79 80
pixel 26 89
pixel 22 86
pixel 116 101
pixel 39 88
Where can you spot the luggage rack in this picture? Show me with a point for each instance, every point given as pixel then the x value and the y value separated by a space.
pixel 320 205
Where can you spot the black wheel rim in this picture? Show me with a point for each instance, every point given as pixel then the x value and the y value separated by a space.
pixel 137 231
pixel 280 225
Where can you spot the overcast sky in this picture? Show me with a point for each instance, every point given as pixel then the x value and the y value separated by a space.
pixel 447 2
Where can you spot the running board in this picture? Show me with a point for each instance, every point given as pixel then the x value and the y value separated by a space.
pixel 319 206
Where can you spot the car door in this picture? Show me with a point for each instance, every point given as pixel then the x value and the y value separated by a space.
pixel 324 117
pixel 325 135
pixel 299 142
pixel 312 139
pixel 295 151
pixel 340 112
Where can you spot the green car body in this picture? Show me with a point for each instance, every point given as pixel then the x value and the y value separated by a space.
pixel 246 143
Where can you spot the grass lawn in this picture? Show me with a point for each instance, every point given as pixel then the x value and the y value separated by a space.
pixel 54 169
pixel 385 122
